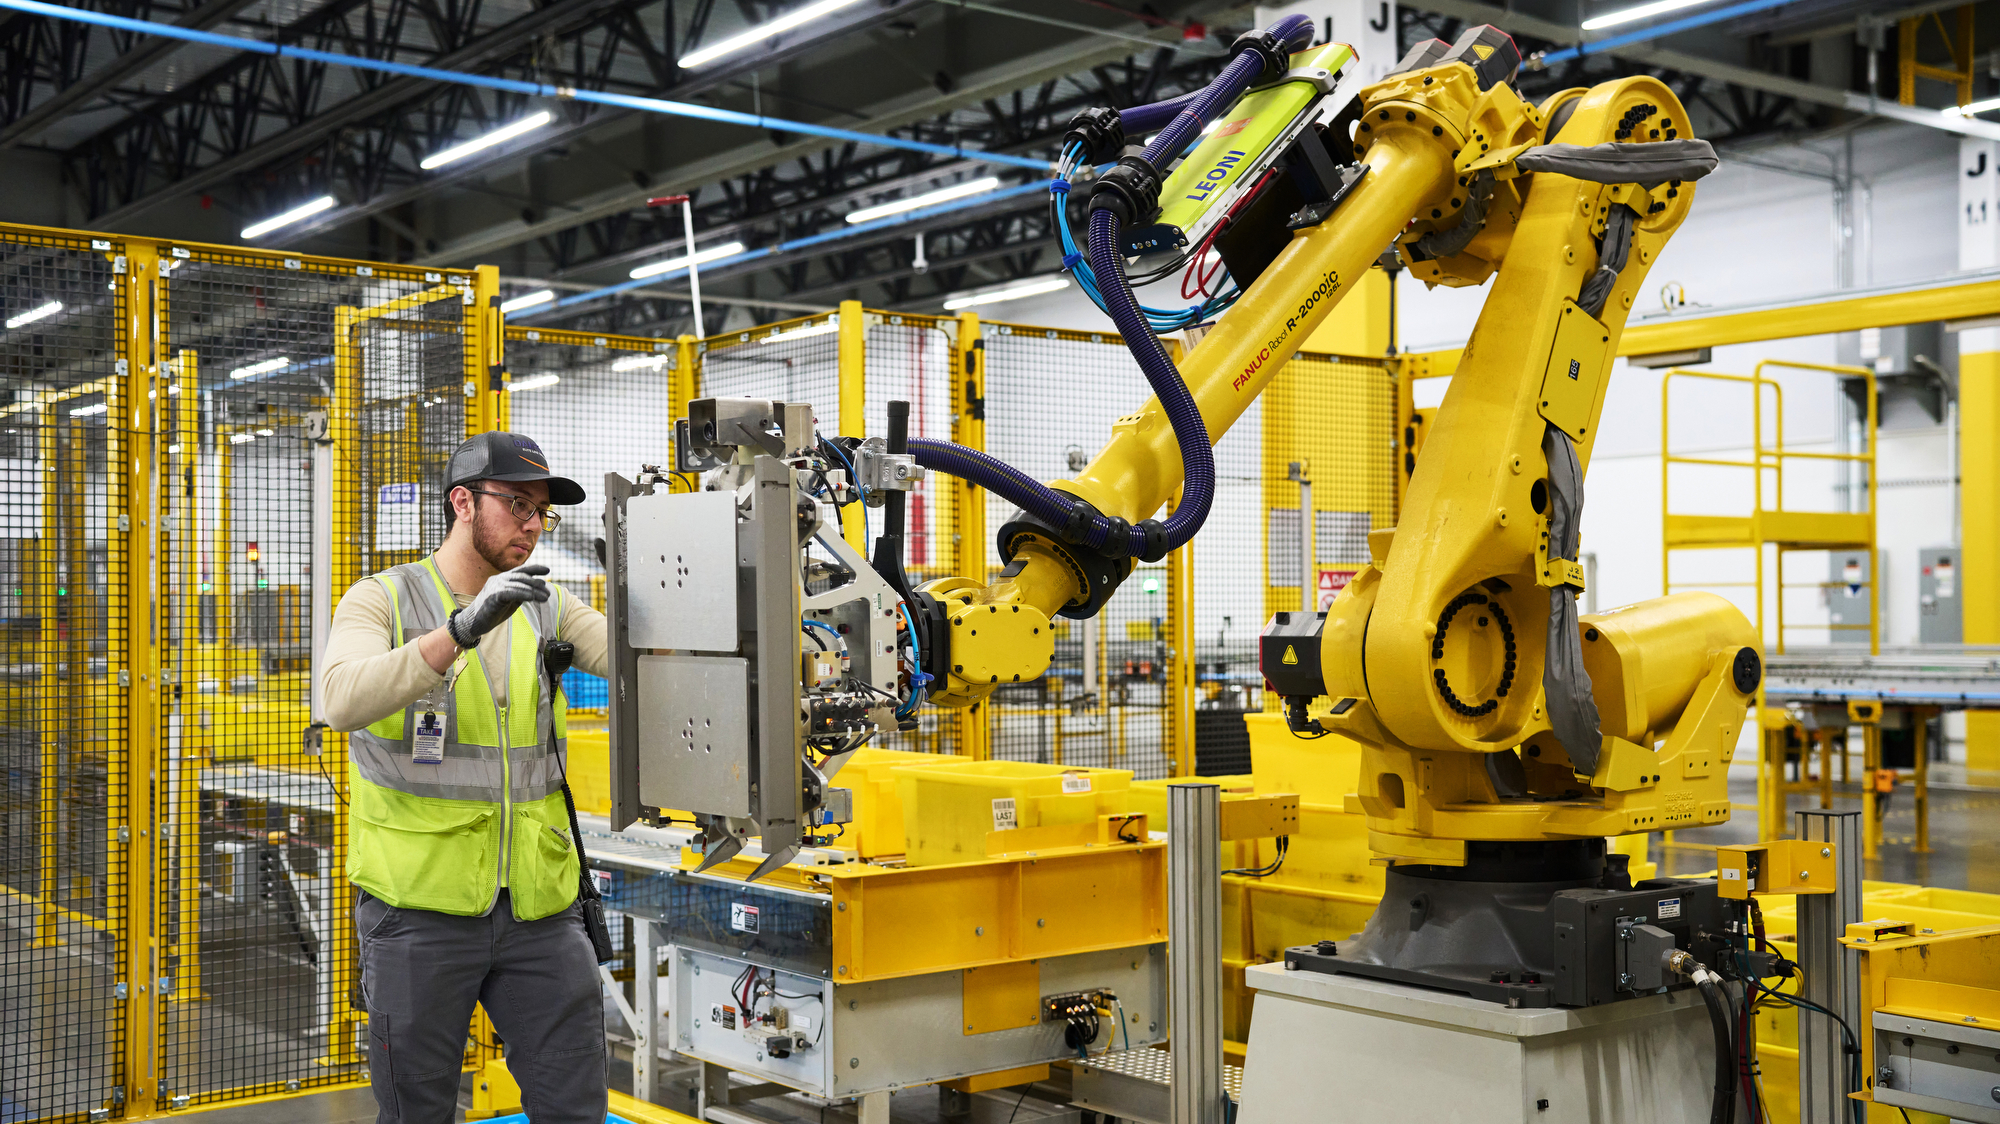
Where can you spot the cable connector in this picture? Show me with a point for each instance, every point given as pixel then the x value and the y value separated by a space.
pixel 1156 540
pixel 1266 46
pixel 1131 191
pixel 1100 131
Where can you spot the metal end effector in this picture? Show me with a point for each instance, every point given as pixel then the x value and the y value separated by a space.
pixel 753 648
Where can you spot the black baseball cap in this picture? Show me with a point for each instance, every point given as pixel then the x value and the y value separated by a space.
pixel 507 456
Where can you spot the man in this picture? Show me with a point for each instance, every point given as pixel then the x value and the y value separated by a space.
pixel 459 840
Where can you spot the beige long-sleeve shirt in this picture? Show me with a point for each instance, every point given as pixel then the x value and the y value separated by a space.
pixel 367 677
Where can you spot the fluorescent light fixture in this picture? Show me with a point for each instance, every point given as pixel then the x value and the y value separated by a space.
pixel 267 433
pixel 1643 11
pixel 262 367
pixel 764 31
pixel 259 229
pixel 500 135
pixel 1972 110
pixel 528 300
pixel 536 382
pixel 801 332
pixel 701 257
pixel 241 438
pixel 941 195
pixel 41 312
pixel 1012 292
pixel 86 411
pixel 173 448
pixel 640 363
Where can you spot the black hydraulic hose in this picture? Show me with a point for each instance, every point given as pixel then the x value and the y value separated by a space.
pixel 1723 1110
pixel 1112 536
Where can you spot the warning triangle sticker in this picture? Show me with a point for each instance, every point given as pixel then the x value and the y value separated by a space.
pixel 1291 655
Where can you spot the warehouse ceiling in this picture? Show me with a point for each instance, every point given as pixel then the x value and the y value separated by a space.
pixel 151 135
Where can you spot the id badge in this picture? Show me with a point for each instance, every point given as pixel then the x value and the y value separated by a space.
pixel 427 740
pixel 427 744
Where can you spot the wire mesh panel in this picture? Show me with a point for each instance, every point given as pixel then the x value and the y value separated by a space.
pixel 595 404
pixel 791 361
pixel 1106 701
pixel 1332 421
pixel 63 718
pixel 909 359
pixel 256 940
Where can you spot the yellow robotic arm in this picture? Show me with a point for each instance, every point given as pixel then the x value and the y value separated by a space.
pixel 1453 611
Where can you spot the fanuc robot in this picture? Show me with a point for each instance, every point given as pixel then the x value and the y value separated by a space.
pixel 1503 740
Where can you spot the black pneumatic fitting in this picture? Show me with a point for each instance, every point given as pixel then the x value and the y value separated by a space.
pixel 1156 540
pixel 1100 131
pixel 1266 46
pixel 1131 191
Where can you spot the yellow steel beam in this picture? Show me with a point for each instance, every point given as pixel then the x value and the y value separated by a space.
pixel 1916 304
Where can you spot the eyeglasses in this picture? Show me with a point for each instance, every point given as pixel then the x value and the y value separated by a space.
pixel 522 508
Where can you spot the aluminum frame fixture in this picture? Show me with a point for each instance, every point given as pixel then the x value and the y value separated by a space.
pixel 1194 951
pixel 1832 972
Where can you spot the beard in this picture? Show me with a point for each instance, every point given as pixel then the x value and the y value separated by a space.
pixel 494 539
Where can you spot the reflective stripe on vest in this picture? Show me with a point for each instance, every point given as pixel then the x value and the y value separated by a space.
pixel 472 768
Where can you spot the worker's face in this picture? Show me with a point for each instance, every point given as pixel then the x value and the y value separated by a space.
pixel 502 540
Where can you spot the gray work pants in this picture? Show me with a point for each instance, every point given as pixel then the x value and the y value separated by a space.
pixel 421 973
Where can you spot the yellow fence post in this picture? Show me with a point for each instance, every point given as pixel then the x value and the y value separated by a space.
pixel 968 501
pixel 853 393
pixel 133 546
pixel 488 407
pixel 344 431
pixel 184 774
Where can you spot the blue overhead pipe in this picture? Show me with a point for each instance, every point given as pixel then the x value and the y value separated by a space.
pixel 510 85
pixel 1671 27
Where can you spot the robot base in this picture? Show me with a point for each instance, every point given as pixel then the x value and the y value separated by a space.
pixel 1390 1051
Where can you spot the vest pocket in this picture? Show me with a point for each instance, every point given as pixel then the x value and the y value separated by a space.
pixel 419 852
pixel 543 878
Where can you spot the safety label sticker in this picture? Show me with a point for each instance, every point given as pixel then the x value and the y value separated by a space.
pixel 1003 814
pixel 1075 782
pixel 1669 907
pixel 1731 874
pixel 742 918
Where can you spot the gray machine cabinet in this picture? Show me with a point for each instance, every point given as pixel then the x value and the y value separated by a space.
pixel 895 1033
pixel 1848 576
pixel 1940 617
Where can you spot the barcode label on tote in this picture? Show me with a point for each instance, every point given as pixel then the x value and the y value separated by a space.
pixel 1003 814
pixel 1075 782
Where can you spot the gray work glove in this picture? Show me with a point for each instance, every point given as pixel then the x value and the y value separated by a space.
pixel 501 595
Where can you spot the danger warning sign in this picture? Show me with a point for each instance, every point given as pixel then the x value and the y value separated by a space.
pixel 1331 582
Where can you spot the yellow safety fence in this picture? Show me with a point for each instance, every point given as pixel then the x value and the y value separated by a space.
pixel 205 446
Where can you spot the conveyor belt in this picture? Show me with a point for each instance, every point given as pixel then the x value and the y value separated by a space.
pixel 1953 678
